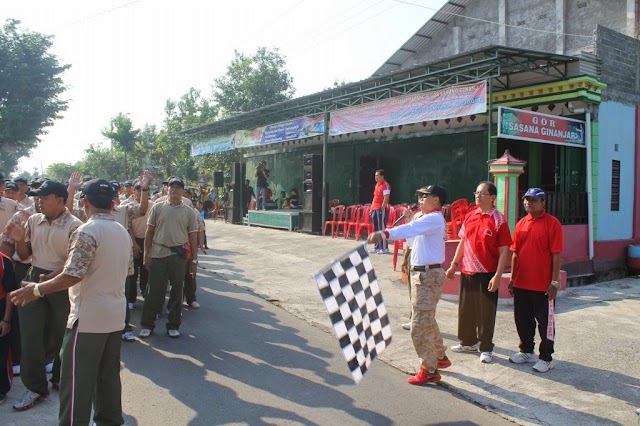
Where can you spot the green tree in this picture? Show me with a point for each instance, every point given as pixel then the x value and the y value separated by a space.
pixel 60 171
pixel 30 86
pixel 173 148
pixel 253 81
pixel 123 136
pixel 103 162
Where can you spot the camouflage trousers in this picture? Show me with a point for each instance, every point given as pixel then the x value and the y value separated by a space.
pixel 426 288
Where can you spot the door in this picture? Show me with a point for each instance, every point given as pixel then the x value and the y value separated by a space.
pixel 366 178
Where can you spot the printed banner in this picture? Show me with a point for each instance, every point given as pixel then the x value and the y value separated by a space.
pixel 535 127
pixel 350 291
pixel 298 128
pixel 456 101
pixel 551 326
pixel 211 145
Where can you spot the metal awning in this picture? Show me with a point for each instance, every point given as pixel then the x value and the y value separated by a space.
pixel 494 63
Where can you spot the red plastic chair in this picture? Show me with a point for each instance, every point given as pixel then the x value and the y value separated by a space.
pixel 391 217
pixel 349 217
pixel 352 224
pixel 458 212
pixel 397 246
pixel 364 223
pixel 338 216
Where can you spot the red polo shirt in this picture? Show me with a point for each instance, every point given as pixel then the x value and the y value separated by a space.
pixel 484 234
pixel 535 241
pixel 382 189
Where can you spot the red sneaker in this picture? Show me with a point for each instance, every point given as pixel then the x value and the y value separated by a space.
pixel 443 363
pixel 423 377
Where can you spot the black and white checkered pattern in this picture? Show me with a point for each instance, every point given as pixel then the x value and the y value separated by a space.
pixel 349 289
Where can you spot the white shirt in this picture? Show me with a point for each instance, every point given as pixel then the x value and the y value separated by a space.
pixel 429 235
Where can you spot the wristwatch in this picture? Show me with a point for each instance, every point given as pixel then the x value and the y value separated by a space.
pixel 36 290
pixel 556 284
pixel 194 261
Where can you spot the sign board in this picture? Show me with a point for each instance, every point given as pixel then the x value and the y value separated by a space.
pixel 532 126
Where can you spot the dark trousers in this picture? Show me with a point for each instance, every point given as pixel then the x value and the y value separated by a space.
pixel 379 220
pixel 90 377
pixel 477 311
pixel 127 312
pixel 189 287
pixel 530 307
pixel 163 269
pixel 52 309
pixel 139 272
pixel 21 273
pixel 6 364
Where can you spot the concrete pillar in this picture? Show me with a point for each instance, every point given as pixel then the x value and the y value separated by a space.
pixel 506 172
pixel 502 19
pixel 457 43
pixel 560 26
pixel 632 18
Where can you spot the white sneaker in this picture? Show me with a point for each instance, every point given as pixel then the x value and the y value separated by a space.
pixel 16 370
pixel 373 250
pixel 49 367
pixel 128 336
pixel 172 332
pixel 486 357
pixel 406 326
pixel 145 332
pixel 195 305
pixel 464 348
pixel 383 251
pixel 522 357
pixel 543 366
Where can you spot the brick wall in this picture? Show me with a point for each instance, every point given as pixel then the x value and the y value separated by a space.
pixel 620 65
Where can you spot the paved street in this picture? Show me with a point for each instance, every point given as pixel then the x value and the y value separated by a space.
pixel 243 360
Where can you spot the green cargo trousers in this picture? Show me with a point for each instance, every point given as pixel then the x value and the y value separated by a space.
pixel 52 309
pixel 90 376
pixel 169 269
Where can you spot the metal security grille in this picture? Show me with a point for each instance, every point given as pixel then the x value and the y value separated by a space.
pixel 615 185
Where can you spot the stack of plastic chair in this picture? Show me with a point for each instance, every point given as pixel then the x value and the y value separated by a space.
pixel 458 212
pixel 352 224
pixel 349 217
pixel 365 223
pixel 338 217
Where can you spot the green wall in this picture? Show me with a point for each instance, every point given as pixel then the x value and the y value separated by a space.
pixel 457 162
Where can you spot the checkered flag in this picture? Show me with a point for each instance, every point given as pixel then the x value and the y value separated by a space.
pixel 350 291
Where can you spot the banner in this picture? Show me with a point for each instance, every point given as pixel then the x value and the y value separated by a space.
pixel 455 101
pixel 211 145
pixel 535 127
pixel 298 128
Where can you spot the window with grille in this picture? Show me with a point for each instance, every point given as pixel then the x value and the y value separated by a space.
pixel 615 185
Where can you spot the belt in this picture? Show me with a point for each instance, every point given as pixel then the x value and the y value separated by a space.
pixel 424 268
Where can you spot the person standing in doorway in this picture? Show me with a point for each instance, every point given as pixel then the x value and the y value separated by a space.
pixel 484 252
pixel 535 268
pixel 262 174
pixel 381 195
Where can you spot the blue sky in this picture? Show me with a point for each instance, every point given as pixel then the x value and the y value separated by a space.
pixel 132 55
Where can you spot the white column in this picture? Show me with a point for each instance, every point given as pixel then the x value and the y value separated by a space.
pixel 502 19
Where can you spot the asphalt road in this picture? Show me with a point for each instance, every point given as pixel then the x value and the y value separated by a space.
pixel 242 360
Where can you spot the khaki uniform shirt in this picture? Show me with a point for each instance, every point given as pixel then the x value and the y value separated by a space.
pixel 25 203
pixel 139 224
pixel 173 224
pixel 164 198
pixel 50 242
pixel 7 209
pixel 99 253
pixel 19 217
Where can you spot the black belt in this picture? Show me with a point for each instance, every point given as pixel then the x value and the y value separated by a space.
pixel 424 268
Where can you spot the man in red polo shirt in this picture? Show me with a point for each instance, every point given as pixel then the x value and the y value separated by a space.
pixel 379 205
pixel 484 251
pixel 535 269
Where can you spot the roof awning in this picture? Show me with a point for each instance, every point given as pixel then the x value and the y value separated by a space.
pixel 495 63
